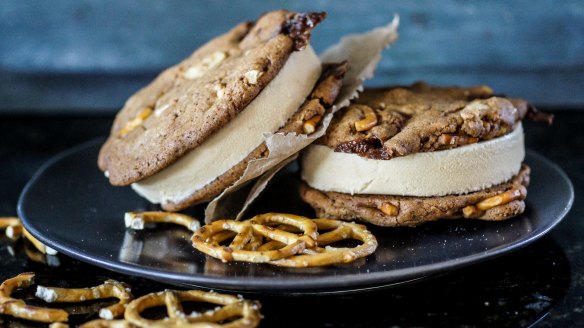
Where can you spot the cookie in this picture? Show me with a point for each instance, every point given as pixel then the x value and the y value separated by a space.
pixel 305 120
pixel 395 211
pixel 402 156
pixel 422 118
pixel 194 99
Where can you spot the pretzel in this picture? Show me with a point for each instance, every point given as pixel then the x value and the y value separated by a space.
pixel 14 231
pixel 246 312
pixel 249 232
pixel 6 222
pixel 35 255
pixel 12 227
pixel 327 255
pixel 110 288
pixel 368 122
pixel 101 323
pixel 17 308
pixel 136 220
pixel 37 244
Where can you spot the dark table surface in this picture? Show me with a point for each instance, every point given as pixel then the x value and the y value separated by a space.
pixel 540 285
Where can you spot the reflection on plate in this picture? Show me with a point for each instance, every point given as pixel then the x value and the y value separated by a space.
pixel 70 206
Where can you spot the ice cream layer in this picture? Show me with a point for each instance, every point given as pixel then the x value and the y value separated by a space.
pixel 454 171
pixel 269 111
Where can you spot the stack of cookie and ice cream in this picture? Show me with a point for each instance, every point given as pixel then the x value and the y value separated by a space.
pixel 396 156
pixel 402 156
pixel 190 134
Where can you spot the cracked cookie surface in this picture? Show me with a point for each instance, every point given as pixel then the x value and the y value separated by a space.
pixel 186 103
pixel 398 121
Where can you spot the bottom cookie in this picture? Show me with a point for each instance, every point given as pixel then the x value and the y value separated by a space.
pixel 497 203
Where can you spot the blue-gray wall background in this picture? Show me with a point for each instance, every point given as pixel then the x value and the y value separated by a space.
pixel 89 56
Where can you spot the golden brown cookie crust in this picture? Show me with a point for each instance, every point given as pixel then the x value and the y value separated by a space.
pixel 321 99
pixel 186 103
pixel 421 118
pixel 412 211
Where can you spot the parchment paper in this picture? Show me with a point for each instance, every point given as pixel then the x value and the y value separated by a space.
pixel 362 52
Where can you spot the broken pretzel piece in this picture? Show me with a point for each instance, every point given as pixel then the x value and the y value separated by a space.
pixel 369 121
pixel 110 288
pixel 19 309
pixel 474 211
pixel 446 140
pixel 37 244
pixel 136 121
pixel 137 220
pixel 310 125
pixel 12 227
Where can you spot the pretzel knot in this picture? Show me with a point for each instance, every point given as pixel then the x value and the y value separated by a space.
pixel 324 254
pixel 238 312
pixel 248 235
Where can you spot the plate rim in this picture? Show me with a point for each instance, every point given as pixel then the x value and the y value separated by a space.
pixel 347 283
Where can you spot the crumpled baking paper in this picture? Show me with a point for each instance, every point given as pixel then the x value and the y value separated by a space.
pixel 363 53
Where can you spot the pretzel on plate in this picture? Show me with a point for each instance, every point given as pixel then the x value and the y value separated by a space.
pixel 242 313
pixel 326 255
pixel 207 239
pixel 110 288
pixel 137 220
pixel 17 308
pixel 255 240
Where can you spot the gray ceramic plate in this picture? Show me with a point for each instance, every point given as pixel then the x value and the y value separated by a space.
pixel 70 206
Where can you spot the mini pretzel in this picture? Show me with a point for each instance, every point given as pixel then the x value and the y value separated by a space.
pixel 136 220
pixel 247 232
pixel 246 312
pixel 326 255
pixel 17 308
pixel 110 288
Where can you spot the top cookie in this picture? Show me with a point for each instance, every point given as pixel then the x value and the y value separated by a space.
pixel 397 121
pixel 186 103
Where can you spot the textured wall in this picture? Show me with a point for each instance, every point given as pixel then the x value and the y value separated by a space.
pixel 91 55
